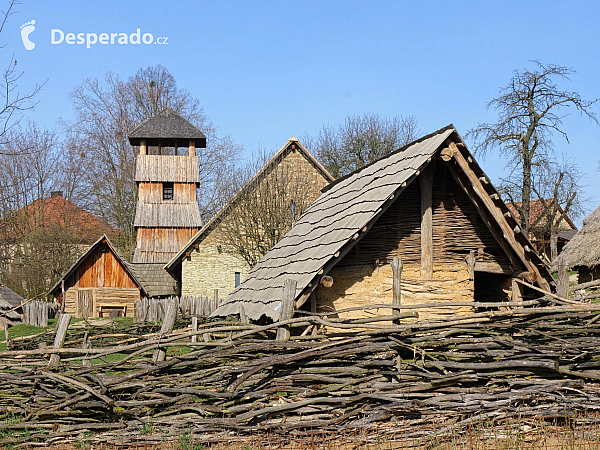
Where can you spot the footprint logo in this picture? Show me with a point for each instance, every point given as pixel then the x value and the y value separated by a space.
pixel 26 30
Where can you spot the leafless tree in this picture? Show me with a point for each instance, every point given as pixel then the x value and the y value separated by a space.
pixel 558 187
pixel 530 111
pixel 261 213
pixel 360 140
pixel 13 103
pixel 106 111
pixel 34 250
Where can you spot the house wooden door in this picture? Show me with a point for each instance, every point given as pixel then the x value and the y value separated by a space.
pixel 85 303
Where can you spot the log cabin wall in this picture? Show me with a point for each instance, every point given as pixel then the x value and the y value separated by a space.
pixel 364 275
pixel 102 283
pixel 158 245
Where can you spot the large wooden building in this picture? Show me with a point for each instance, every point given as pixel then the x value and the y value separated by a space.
pixel 166 217
pixel 206 263
pixel 429 204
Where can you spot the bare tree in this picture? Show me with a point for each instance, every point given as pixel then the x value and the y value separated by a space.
pixel 360 140
pixel 261 213
pixel 558 187
pixel 13 104
pixel 107 111
pixel 530 111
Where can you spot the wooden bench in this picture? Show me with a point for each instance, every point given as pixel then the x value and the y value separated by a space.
pixel 108 307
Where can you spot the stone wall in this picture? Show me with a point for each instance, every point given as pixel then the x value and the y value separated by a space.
pixel 211 266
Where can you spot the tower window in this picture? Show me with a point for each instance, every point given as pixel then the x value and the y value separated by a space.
pixel 167 191
pixel 237 279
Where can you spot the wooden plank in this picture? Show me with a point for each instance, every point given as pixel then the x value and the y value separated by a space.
pixel 426 184
pixel 396 284
pixel 287 309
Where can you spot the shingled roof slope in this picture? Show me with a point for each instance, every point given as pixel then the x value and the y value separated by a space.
pixel 584 248
pixel 269 165
pixel 10 300
pixel 156 280
pixel 333 224
pixel 167 125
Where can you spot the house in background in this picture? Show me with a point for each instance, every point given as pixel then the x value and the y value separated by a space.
pixel 166 217
pixel 39 241
pixel 10 310
pixel 100 283
pixel 429 204
pixel 582 253
pixel 206 263
pixel 539 228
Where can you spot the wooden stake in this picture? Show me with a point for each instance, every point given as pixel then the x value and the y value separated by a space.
pixel 563 281
pixel 61 333
pixel 287 309
pixel 6 334
pixel 86 345
pixel 396 288
pixel 471 264
pixel 167 326
pixel 426 183
pixel 243 317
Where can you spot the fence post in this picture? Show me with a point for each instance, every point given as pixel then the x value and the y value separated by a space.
pixel 287 309
pixel 194 306
pixel 166 328
pixel 61 333
pixel 243 317
pixel 563 281
pixel 6 334
pixel 86 345
pixel 396 289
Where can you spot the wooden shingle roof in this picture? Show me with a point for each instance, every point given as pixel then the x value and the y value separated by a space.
pixel 167 126
pixel 291 145
pixel 337 220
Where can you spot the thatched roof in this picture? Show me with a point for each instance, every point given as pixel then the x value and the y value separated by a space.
pixel 169 128
pixel 584 248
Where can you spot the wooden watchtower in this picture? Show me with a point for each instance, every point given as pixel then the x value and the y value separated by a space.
pixel 167 213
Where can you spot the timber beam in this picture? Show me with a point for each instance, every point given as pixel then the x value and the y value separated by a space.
pixel 452 152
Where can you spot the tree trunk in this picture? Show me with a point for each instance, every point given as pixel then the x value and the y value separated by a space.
pixel 526 194
pixel 553 244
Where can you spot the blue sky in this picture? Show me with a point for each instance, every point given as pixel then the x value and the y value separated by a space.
pixel 265 71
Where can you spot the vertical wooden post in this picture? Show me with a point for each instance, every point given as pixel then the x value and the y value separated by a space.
pixel 194 307
pixel 563 281
pixel 86 344
pixel 287 309
pixel 5 323
pixel 143 150
pixel 166 328
pixel 243 317
pixel 426 183
pixel 396 286
pixel 215 304
pixel 64 298
pixel 471 263
pixel 61 333
pixel 517 296
pixel 192 148
pixel 313 309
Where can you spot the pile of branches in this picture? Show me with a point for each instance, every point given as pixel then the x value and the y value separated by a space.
pixel 539 360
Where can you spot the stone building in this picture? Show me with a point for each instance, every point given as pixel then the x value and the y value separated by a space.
pixel 208 262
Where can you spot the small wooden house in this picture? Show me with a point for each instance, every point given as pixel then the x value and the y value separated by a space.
pixel 431 205
pixel 582 253
pixel 206 263
pixel 101 283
